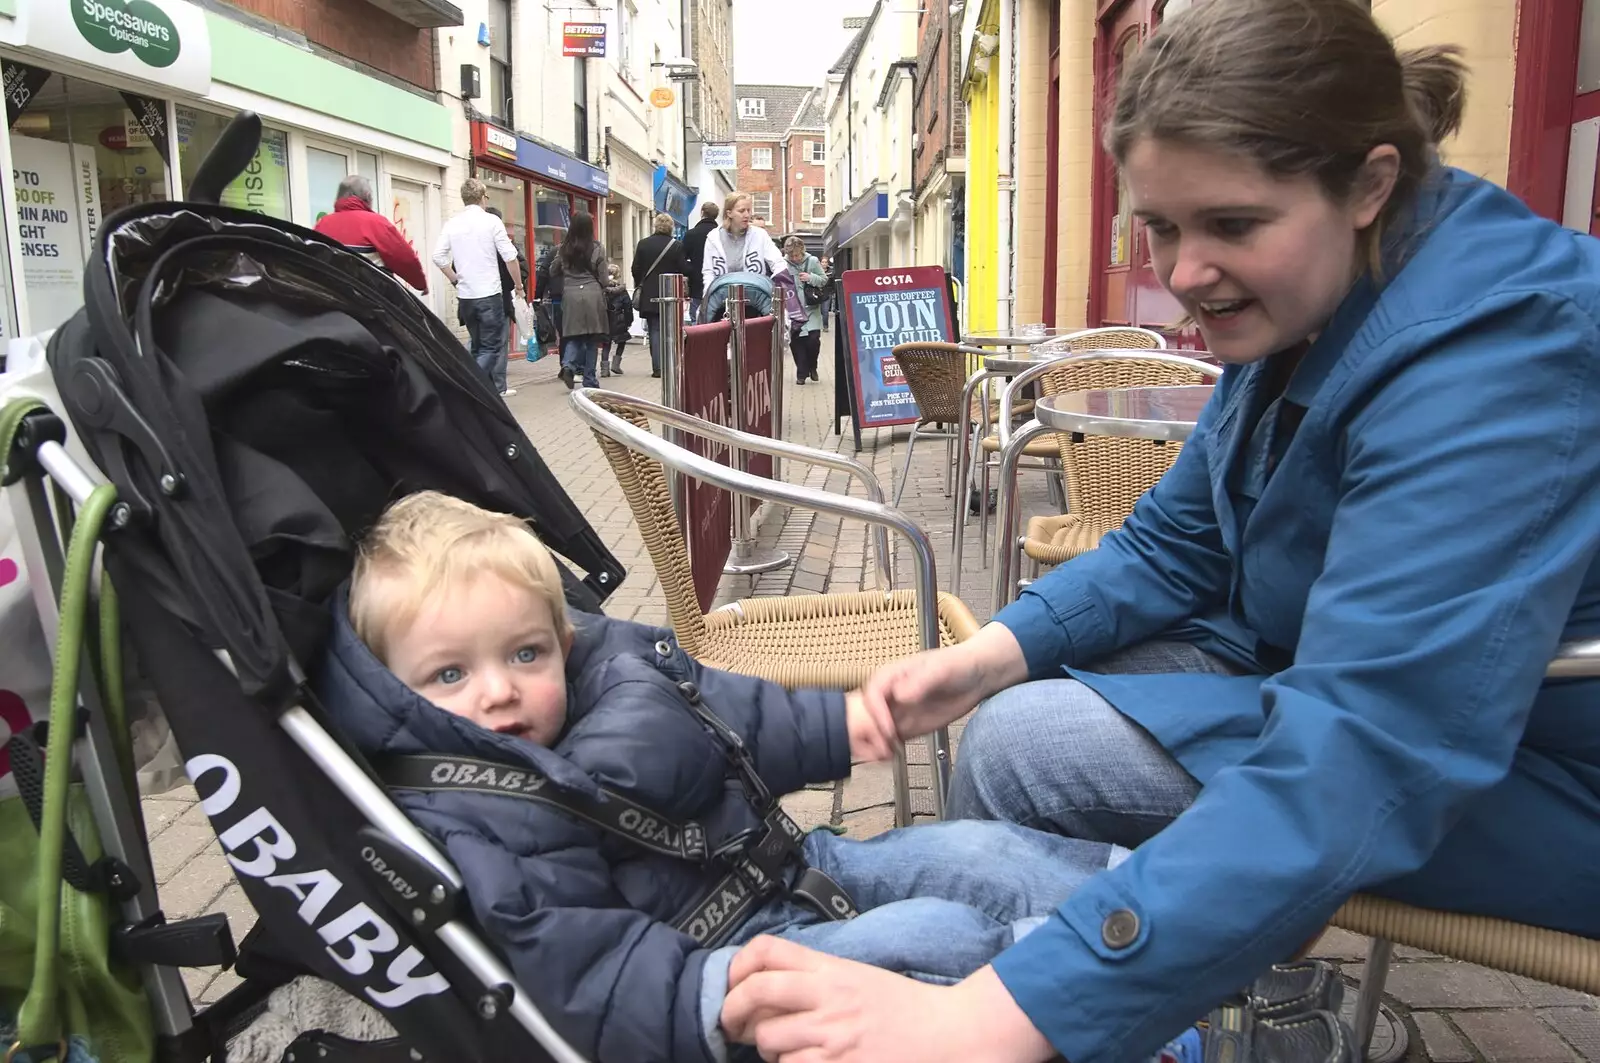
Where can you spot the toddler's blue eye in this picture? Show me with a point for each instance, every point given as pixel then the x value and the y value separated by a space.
pixel 449 676
pixel 527 655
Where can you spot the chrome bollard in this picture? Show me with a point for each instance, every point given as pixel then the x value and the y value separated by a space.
pixel 747 557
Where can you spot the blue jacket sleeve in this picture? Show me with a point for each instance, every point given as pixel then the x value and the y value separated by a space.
pixel 795 736
pixel 619 986
pixel 1424 644
pixel 1165 564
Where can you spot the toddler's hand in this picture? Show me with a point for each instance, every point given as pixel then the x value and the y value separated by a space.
pixel 872 733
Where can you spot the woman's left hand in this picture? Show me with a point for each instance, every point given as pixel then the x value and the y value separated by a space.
pixel 800 1006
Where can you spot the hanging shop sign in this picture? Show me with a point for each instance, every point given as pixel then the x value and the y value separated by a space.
pixel 663 97
pixel 583 40
pixel 162 41
pixel 719 156
pixel 884 308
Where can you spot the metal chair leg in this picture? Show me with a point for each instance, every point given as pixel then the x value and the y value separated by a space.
pixel 1378 956
pixel 949 462
pixel 905 473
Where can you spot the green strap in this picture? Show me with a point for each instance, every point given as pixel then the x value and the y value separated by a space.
pixel 111 691
pixel 10 421
pixel 39 1022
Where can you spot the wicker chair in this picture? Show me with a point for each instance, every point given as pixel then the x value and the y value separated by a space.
pixel 825 640
pixel 1105 475
pixel 1551 956
pixel 936 374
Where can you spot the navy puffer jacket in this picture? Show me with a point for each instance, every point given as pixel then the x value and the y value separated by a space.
pixel 583 917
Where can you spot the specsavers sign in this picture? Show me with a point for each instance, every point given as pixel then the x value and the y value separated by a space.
pixel 160 41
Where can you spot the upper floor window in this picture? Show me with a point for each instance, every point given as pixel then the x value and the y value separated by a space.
pixel 761 206
pixel 816 152
pixel 752 107
pixel 760 158
pixel 500 89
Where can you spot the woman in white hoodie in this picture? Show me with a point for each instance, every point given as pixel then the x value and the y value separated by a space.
pixel 737 246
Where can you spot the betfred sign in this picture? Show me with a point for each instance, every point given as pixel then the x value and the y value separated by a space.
pixel 583 40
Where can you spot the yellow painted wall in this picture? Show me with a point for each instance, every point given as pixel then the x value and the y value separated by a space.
pixel 1486 29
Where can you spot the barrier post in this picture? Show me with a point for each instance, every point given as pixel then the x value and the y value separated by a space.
pixel 673 294
pixel 780 329
pixel 748 557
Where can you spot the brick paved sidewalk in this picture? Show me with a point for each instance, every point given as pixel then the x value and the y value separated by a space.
pixel 1456 1013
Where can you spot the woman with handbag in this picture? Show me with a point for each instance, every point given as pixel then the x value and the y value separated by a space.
pixel 810 289
pixel 580 270
pixel 656 254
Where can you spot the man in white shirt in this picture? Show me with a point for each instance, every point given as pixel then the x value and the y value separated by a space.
pixel 471 246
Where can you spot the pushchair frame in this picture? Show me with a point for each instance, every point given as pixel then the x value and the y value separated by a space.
pixel 52 479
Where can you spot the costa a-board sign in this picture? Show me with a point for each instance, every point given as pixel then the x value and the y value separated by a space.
pixel 884 308
pixel 583 40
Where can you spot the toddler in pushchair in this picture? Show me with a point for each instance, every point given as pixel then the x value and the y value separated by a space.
pixel 245 401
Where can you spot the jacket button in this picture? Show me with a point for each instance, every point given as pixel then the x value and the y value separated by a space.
pixel 664 648
pixel 1119 929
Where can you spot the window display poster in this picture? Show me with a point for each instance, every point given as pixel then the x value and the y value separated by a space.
pixel 264 185
pixel 884 308
pixel 58 213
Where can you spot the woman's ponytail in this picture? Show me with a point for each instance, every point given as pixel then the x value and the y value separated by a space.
pixel 1435 86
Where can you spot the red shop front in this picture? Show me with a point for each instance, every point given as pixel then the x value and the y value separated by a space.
pixel 533 182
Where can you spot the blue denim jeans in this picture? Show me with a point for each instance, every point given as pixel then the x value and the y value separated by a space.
pixel 937 902
pixel 1054 755
pixel 578 354
pixel 652 328
pixel 486 330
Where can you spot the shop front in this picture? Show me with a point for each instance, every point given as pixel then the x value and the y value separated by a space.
pixel 537 187
pixel 629 215
pixel 109 106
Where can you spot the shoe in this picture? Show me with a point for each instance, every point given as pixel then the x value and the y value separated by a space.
pixel 566 377
pixel 508 392
pixel 605 371
pixel 1288 1015
pixel 616 368
pixel 814 375
pixel 799 380
pixel 656 373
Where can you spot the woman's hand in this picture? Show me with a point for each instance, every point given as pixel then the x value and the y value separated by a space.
pixel 800 1006
pixel 928 690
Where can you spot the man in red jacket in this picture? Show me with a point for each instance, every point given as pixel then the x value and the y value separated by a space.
pixel 355 224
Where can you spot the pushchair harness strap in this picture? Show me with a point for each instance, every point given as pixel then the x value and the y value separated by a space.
pixel 617 814
pixel 758 860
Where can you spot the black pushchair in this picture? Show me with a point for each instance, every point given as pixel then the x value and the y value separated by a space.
pixel 255 394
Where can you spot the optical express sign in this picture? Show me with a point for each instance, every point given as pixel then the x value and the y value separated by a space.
pixel 164 41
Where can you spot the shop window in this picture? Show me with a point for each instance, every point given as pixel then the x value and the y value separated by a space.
pixel 79 151
pixel 264 185
pixel 500 84
pixel 552 214
pixel 325 171
pixel 367 166
pixel 508 196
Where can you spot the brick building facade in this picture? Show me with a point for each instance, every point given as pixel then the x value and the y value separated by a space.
pixel 360 33
pixel 782 149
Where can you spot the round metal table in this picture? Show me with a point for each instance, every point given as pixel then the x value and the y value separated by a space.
pixel 1015 339
pixel 1162 413
pixel 1019 362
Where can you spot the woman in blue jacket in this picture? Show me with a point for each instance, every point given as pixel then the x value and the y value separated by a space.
pixel 1322 638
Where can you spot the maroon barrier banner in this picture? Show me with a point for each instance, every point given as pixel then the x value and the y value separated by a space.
pixel 708 514
pixel 757 385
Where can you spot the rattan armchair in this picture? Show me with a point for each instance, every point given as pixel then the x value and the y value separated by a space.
pixel 818 640
pixel 1551 956
pixel 936 374
pixel 1105 475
